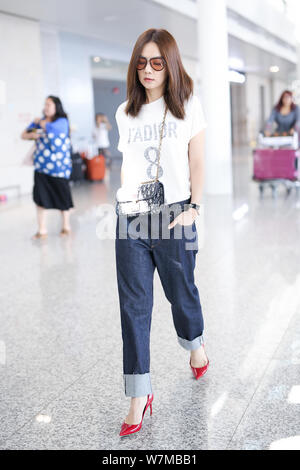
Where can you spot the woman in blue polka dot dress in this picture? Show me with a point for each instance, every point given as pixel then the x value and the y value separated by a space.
pixel 52 164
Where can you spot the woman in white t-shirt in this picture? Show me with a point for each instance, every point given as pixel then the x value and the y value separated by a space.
pixel 101 136
pixel 156 79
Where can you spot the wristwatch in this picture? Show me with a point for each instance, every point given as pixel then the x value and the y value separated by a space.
pixel 195 206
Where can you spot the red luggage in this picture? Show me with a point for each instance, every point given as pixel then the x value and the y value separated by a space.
pixel 95 168
pixel 275 164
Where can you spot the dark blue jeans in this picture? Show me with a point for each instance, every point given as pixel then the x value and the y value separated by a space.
pixel 142 244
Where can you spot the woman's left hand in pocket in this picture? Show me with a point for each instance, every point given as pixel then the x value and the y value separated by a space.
pixel 184 218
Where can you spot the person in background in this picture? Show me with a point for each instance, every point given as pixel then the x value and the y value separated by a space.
pixel 100 135
pixel 286 115
pixel 52 164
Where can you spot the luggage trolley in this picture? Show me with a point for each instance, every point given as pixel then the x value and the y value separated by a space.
pixel 275 162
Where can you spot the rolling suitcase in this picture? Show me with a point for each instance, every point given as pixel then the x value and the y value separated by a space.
pixel 77 167
pixel 275 164
pixel 95 168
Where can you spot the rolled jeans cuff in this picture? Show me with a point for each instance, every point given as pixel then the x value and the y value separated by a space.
pixel 191 345
pixel 137 385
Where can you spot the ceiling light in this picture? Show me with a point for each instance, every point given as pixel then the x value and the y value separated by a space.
pixel 236 77
pixel 97 59
pixel 274 69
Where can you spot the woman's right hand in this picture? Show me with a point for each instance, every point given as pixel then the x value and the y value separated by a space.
pixel 34 136
pixel 30 135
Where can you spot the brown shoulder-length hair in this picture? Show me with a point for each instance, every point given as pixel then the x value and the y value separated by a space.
pixel 280 102
pixel 178 86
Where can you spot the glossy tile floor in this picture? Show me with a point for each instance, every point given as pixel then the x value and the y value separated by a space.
pixel 60 340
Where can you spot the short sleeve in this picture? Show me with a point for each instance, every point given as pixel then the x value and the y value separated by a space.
pixel 198 122
pixel 120 118
pixel 60 126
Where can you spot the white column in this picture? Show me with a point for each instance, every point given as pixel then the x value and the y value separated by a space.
pixel 215 94
pixel 21 100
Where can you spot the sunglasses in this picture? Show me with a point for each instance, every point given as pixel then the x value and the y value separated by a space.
pixel 157 63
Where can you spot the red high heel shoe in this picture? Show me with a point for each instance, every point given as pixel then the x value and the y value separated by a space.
pixel 199 371
pixel 127 429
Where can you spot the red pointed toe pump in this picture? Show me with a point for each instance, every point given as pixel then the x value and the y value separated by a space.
pixel 127 429
pixel 199 371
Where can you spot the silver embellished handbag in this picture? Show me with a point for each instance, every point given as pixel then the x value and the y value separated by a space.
pixel 150 195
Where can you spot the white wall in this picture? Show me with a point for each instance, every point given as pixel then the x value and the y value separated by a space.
pixel 50 47
pixel 21 76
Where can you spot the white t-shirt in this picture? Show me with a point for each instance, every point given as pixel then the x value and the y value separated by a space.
pixel 139 142
pixel 101 136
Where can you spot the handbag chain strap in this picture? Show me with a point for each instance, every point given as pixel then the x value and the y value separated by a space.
pixel 159 148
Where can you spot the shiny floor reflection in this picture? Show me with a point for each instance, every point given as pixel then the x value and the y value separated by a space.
pixel 60 340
